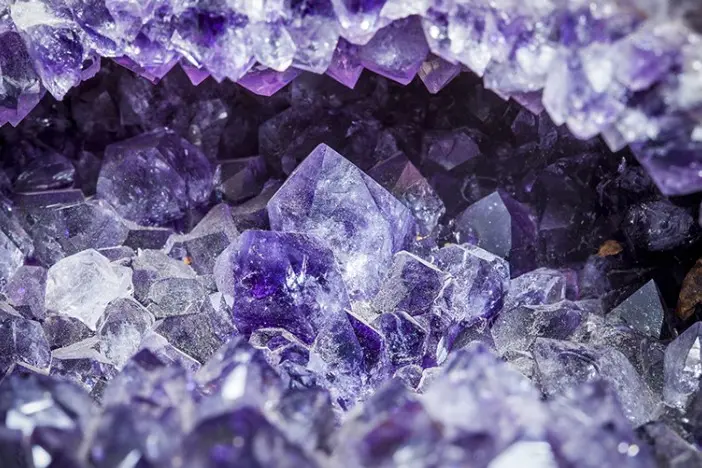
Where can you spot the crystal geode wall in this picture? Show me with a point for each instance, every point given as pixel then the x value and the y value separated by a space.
pixel 628 70
pixel 415 272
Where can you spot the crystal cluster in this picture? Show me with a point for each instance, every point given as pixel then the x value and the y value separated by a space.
pixel 626 69
pixel 383 277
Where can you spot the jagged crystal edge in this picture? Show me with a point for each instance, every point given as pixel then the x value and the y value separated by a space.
pixel 627 70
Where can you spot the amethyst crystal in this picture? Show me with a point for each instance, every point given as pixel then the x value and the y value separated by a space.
pixel 22 341
pixel 167 176
pixel 362 223
pixel 562 365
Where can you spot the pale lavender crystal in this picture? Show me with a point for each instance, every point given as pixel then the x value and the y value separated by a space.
pixel 200 333
pixel 401 178
pixel 259 443
pixel 83 364
pixel 515 329
pixel 148 408
pixel 364 225
pixel 155 177
pixel 540 286
pixel 589 427
pixel 644 353
pixel 199 248
pixel 21 86
pixel 501 225
pixel 134 434
pixel 150 266
pixel 267 82
pixel 237 373
pixel 118 254
pixel 63 230
pixel 62 331
pixel 540 453
pixel 167 353
pixel 121 330
pixel 11 258
pixel 480 280
pixel 393 421
pixel 22 341
pixel 169 297
pixel 683 367
pixel 53 45
pixel 669 448
pixel 643 310
pixel 345 66
pixel 414 286
pixel 436 73
pixel 147 378
pixel 570 96
pixel 280 346
pixel 25 291
pixel 562 365
pixel 478 395
pixel 308 418
pixel 396 51
pixel 51 415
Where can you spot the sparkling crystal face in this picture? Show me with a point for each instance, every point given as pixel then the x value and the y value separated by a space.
pixel 211 255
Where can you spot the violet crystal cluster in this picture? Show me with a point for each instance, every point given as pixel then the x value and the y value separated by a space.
pixel 626 69
pixel 348 270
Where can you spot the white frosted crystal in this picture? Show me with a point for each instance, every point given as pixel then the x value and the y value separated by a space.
pixel 526 454
pixel 83 284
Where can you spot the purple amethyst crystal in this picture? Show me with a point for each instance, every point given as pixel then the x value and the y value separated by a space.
pixel 602 436
pixel 295 285
pixel 480 280
pixel 25 291
pixel 362 223
pixel 396 51
pixel 257 442
pixel 22 341
pixel 51 416
pixel 22 89
pixel 154 178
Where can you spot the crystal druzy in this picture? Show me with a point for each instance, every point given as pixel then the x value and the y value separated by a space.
pixel 627 70
pixel 392 269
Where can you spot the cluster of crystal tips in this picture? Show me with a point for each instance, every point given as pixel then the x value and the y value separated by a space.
pixel 628 70
pixel 328 336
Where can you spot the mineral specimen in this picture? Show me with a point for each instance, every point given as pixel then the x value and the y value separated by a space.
pixel 82 285
pixel 193 275
pixel 364 225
